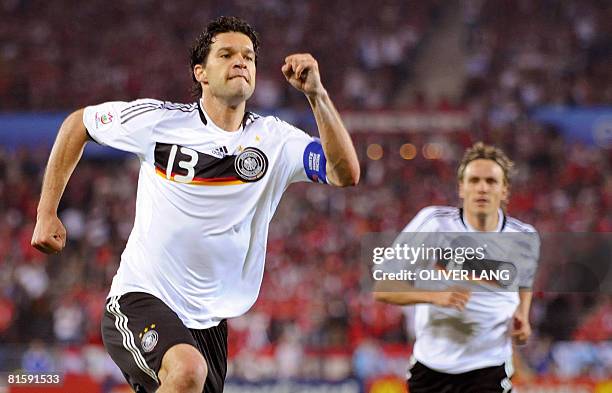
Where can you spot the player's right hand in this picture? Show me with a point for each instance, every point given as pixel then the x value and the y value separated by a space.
pixel 49 234
pixel 455 298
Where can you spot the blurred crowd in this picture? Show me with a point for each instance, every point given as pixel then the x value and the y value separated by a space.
pixel 522 54
pixel 315 303
pixel 316 296
pixel 53 56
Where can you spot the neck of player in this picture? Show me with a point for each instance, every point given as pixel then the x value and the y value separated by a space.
pixel 482 221
pixel 226 116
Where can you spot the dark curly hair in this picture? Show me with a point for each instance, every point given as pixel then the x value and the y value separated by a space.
pixel 201 47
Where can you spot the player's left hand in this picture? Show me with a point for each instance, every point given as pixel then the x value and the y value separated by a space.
pixel 521 329
pixel 302 71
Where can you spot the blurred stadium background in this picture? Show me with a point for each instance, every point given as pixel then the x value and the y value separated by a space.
pixel 417 82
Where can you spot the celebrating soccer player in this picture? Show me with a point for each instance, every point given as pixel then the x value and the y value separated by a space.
pixel 464 338
pixel 211 177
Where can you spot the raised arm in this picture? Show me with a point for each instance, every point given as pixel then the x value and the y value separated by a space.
pixel 49 233
pixel 302 72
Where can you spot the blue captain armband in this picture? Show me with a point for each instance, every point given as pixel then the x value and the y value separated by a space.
pixel 315 162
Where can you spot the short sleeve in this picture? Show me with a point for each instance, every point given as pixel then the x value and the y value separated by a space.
pixel 126 126
pixel 529 266
pixel 414 236
pixel 304 156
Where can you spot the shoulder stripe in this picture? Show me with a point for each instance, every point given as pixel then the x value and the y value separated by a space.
pixel 515 221
pixel 181 107
pixel 518 224
pixel 518 227
pixel 147 109
pixel 445 209
pixel 180 104
pixel 437 214
pixel 125 112
pixel 148 103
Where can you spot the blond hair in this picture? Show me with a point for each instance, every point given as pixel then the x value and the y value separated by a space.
pixel 480 151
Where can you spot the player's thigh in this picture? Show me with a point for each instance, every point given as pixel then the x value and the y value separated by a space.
pixel 138 329
pixel 422 379
pixel 183 362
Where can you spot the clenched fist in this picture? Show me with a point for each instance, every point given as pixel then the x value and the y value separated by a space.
pixel 49 234
pixel 521 329
pixel 302 71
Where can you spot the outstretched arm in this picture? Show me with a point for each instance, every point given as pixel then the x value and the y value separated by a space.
pixel 302 72
pixel 49 234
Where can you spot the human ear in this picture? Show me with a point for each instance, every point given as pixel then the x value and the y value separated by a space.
pixel 200 73
pixel 505 193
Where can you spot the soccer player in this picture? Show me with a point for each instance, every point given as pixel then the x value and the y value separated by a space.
pixel 464 338
pixel 211 176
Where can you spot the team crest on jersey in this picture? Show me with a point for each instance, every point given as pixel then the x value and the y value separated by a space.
pixel 149 338
pixel 103 120
pixel 251 164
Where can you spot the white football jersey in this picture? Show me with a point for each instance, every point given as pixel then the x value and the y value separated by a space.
pixel 453 341
pixel 204 202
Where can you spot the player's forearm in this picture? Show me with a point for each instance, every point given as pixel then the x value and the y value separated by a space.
pixel 337 144
pixel 65 154
pixel 524 306
pixel 404 298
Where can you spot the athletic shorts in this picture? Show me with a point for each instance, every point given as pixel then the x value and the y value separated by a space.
pixel 138 329
pixel 422 379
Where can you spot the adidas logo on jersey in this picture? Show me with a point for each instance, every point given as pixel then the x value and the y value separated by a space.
pixel 218 152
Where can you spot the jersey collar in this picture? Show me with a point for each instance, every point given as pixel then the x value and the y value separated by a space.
pixel 501 221
pixel 201 112
pixel 246 119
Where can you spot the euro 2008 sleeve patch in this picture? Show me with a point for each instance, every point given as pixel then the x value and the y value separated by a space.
pixel 104 120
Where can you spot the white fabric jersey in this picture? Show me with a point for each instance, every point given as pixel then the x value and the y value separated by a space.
pixel 453 341
pixel 204 202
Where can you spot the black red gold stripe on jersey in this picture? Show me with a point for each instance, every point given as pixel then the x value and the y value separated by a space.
pixel 222 181
pixel 186 165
